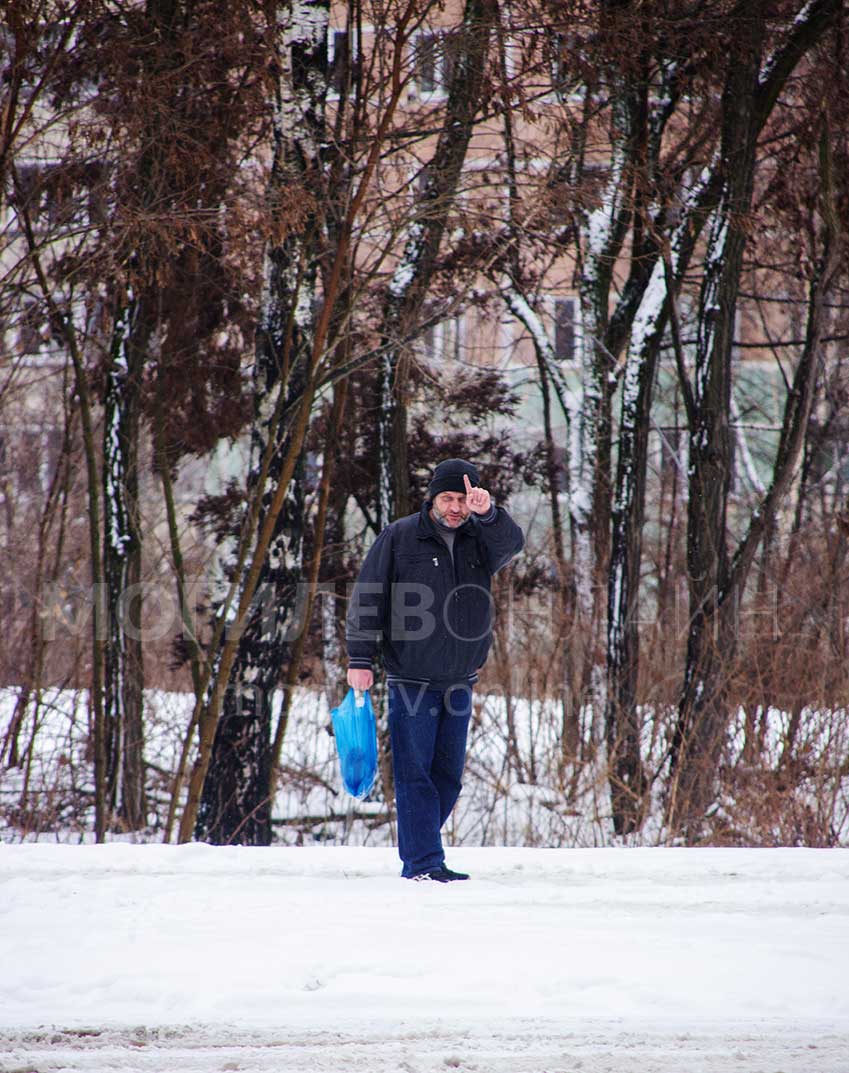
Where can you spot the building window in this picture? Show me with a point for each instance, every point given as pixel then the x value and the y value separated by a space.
pixel 31 329
pixel 443 341
pixel 419 182
pixel 57 195
pixel 29 193
pixel 339 61
pixel 45 194
pixel 565 328
pixel 436 53
pixel 565 63
pixel 39 455
pixel 670 452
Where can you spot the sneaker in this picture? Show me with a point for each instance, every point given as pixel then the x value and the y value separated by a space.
pixel 435 875
pixel 451 875
pixel 438 875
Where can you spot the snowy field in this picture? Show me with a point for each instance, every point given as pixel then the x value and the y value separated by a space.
pixel 193 958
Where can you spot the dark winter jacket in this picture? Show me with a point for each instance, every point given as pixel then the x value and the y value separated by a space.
pixel 432 616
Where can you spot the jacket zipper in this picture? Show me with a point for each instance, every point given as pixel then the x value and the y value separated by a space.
pixel 452 644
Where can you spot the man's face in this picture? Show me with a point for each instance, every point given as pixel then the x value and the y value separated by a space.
pixel 450 508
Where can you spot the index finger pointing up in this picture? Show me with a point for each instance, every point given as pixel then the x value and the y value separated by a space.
pixel 467 483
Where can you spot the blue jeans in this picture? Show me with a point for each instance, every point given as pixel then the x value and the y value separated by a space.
pixel 428 730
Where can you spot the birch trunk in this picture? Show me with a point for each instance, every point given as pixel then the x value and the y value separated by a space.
pixel 254 541
pixel 236 801
pixel 628 783
pixel 122 550
pixel 409 286
pixel 603 232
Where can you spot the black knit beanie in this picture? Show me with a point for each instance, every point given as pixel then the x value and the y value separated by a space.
pixel 448 477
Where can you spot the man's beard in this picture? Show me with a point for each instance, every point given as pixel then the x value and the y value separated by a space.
pixel 443 519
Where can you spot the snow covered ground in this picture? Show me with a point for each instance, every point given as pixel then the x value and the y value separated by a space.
pixel 150 957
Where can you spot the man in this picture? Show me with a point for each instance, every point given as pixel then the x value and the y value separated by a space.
pixel 423 595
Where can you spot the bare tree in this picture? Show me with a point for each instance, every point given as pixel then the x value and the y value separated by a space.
pixel 753 83
pixel 468 46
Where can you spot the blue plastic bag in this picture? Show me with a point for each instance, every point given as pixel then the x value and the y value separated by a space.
pixel 356 742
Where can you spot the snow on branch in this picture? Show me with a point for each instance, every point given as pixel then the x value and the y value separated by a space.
pixel 811 22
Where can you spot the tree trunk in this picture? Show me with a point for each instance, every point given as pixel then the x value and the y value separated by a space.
pixel 122 550
pixel 603 231
pixel 628 782
pixel 284 411
pixel 235 803
pixel 715 581
pixel 702 717
pixel 331 450
pixel 409 286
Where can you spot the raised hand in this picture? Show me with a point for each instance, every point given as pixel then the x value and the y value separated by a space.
pixel 477 499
